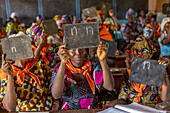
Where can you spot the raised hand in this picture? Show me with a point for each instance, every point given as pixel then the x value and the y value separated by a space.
pixel 63 53
pixel 102 51
pixel 6 66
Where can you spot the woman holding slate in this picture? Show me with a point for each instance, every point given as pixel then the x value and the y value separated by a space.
pixel 141 93
pixel 76 81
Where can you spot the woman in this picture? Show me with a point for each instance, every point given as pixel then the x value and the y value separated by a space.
pixel 77 81
pixel 141 93
pixel 24 85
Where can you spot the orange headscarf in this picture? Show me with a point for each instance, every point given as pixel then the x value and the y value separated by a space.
pixel 105 34
pixel 43 52
pixel 139 88
pixel 21 73
pixel 86 69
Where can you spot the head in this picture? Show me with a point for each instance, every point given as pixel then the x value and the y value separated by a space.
pixel 57 17
pixel 102 15
pixel 66 18
pixel 142 12
pixel 165 24
pixel 11 28
pixel 153 18
pixel 38 19
pixel 141 47
pixel 14 16
pixel 130 15
pixel 78 56
pixel 75 20
pixel 60 23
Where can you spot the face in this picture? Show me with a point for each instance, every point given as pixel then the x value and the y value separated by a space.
pixel 167 26
pixel 38 40
pixel 153 20
pixel 130 18
pixel 27 60
pixel 38 19
pixel 142 13
pixel 78 56
pixel 128 60
pixel 15 19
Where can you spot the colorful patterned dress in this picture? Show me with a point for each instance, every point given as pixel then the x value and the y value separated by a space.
pixel 80 96
pixel 31 97
pixel 165 49
pixel 150 95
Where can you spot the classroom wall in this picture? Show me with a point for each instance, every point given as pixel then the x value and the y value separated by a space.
pixel 28 9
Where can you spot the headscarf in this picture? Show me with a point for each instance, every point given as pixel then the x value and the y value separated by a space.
pixel 130 12
pixel 11 26
pixel 150 13
pixel 164 21
pixel 67 17
pixel 57 17
pixel 13 14
pixel 61 22
pixel 85 69
pixel 34 31
pixel 143 48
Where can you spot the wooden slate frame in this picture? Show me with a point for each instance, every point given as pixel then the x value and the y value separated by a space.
pixel 149 72
pixel 81 35
pixel 50 27
pixel 17 48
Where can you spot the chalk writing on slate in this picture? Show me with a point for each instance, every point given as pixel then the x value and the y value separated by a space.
pixel 166 8
pixel 82 35
pixel 50 27
pixel 90 12
pixel 111 47
pixel 17 48
pixel 149 72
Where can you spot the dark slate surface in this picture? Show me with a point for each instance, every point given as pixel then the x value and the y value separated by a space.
pixel 17 48
pixel 1 23
pixel 82 35
pixel 50 27
pixel 148 72
pixel 90 12
pixel 111 47
pixel 166 8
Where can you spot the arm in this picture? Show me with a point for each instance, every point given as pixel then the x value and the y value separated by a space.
pixel 114 102
pixel 43 40
pixel 108 81
pixel 118 26
pixel 9 101
pixel 153 33
pixel 58 85
pixel 167 40
pixel 166 86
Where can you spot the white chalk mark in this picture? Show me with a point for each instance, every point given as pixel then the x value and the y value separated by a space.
pixel 14 49
pixel 145 63
pixel 87 30
pixel 75 29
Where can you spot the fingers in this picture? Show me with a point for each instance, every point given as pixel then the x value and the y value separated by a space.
pixel 3 57
pixel 163 62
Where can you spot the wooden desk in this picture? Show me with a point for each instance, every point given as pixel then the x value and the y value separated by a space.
pixel 69 111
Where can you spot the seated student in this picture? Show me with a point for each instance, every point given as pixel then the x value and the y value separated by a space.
pixel 25 85
pixel 77 81
pixel 140 93
pixel 48 50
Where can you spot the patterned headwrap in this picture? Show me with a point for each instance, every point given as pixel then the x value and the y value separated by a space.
pixel 141 47
pixel 150 13
pixel 57 17
pixel 11 26
pixel 164 21
pixel 130 12
pixel 67 17
pixel 34 32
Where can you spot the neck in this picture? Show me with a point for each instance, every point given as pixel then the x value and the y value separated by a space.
pixel 77 65
pixel 20 63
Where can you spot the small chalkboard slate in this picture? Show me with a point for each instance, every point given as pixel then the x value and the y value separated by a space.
pixel 50 27
pixel 149 72
pixel 166 8
pixel 1 23
pixel 111 47
pixel 81 35
pixel 90 12
pixel 17 48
